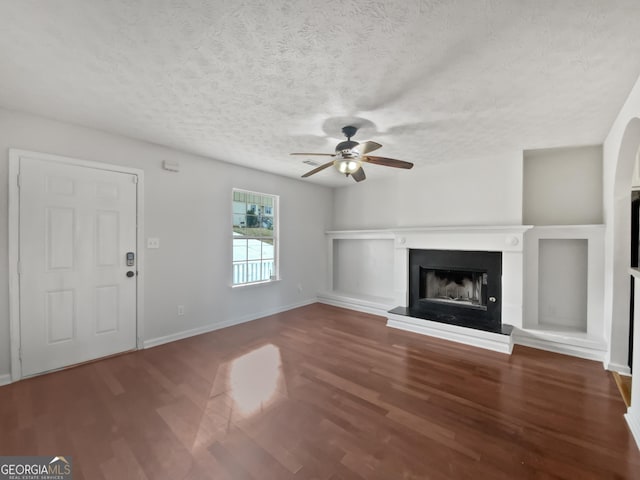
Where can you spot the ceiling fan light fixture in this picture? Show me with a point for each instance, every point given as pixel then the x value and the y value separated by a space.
pixel 350 155
pixel 348 165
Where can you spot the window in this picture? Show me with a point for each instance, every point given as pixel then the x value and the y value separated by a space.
pixel 255 227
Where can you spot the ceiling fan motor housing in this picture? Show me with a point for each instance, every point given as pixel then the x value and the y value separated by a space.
pixel 349 131
pixel 346 147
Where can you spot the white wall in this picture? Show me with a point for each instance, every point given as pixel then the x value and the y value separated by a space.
pixel 190 213
pixel 562 186
pixel 476 192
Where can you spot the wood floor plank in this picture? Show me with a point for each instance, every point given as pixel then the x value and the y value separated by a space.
pixel 321 392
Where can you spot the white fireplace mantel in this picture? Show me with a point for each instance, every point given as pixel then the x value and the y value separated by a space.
pixel 398 232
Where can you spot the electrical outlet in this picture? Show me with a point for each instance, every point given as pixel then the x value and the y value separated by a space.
pixel 180 310
pixel 299 288
pixel 153 242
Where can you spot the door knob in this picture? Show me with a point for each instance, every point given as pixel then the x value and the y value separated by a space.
pixel 130 274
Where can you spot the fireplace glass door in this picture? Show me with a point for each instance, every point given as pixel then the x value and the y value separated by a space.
pixel 457 287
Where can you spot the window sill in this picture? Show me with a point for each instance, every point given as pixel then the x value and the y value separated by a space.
pixel 255 284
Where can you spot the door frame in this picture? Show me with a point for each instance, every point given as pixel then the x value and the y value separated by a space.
pixel 15 155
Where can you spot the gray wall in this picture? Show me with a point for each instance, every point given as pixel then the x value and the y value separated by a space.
pixel 562 186
pixel 190 212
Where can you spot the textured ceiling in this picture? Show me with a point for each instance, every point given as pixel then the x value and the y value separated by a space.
pixel 247 81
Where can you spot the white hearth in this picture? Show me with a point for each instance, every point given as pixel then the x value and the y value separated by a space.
pixel 469 336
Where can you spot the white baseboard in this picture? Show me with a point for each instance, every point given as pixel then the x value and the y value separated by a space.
pixel 561 343
pixel 617 367
pixel 372 305
pixel 5 379
pixel 634 425
pixel 468 336
pixel 154 342
pixel 570 350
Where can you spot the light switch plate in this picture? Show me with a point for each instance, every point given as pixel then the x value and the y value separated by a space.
pixel 153 242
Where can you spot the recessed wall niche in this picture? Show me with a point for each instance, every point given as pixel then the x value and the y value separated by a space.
pixel 363 267
pixel 562 283
pixel 563 290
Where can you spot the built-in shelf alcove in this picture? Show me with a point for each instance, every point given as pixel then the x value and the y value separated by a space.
pixel 363 267
pixel 563 285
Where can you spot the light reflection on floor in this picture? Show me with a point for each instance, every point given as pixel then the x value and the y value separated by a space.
pixel 254 379
pixel 243 388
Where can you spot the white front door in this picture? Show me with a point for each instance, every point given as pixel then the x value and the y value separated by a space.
pixel 77 293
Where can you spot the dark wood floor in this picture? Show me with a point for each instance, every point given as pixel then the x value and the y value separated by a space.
pixel 324 393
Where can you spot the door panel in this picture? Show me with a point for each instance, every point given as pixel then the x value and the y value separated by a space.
pixel 76 226
pixel 60 316
pixel 59 238
pixel 107 238
pixel 107 309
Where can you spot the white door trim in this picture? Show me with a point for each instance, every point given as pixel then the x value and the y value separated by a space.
pixel 14 241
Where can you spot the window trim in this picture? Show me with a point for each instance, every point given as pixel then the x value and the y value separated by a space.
pixel 276 239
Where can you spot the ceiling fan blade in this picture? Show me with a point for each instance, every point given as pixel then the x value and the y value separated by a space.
pixel 366 147
pixel 321 154
pixel 316 170
pixel 359 175
pixel 388 162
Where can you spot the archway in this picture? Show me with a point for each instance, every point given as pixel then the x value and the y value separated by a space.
pixel 620 290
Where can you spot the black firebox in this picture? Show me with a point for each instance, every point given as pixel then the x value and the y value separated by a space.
pixel 458 287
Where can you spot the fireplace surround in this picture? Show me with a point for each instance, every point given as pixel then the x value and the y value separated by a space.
pixel 458 287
